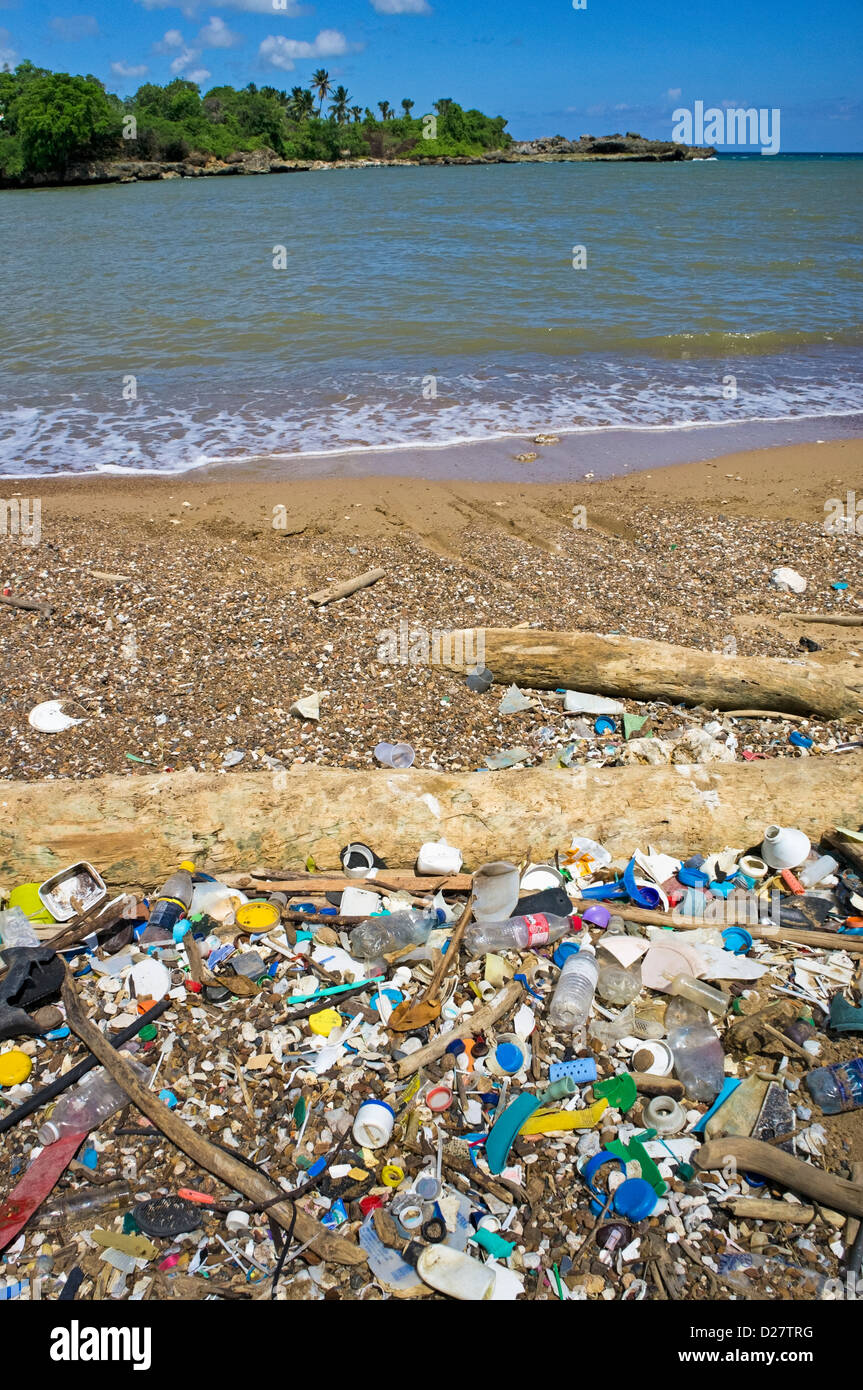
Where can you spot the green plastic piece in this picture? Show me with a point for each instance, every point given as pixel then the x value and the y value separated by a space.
pixel 148 1032
pixel 685 1172
pixel 632 723
pixel 636 1150
pixel 495 1245
pixel 620 1091
pixel 503 1131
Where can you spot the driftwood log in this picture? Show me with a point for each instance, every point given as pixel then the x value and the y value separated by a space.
pixel 753 1156
pixel 225 1167
pixel 137 829
pixel 499 1007
pixel 643 670
pixel 350 586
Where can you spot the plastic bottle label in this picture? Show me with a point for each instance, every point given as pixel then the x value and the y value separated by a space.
pixel 537 929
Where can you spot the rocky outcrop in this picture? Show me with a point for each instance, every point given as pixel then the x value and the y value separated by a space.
pixel 266 161
pixel 629 146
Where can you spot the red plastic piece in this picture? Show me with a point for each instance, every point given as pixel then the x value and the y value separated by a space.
pixel 40 1179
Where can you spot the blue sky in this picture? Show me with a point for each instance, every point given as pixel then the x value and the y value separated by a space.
pixel 613 65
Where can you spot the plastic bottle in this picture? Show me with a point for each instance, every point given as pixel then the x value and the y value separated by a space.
pixel 16 929
pixel 699 1061
pixel 173 902
pixel 616 985
pixel 837 1088
pixel 518 933
pixel 697 992
pixel 378 935
pixel 87 1105
pixel 816 870
pixel 573 994
pixel 79 1207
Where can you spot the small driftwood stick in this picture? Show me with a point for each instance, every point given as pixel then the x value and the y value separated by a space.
pixel 397 880
pixel 650 1085
pixel 350 586
pixel 837 619
pixel 766 1209
pixel 752 1156
pixel 798 936
pixel 30 605
pixel 475 1023
pixel 227 1169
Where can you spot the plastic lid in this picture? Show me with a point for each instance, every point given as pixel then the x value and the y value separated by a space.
pixel 509 1057
pixel 564 950
pixel 15 1067
pixel 49 1133
pixel 598 915
pixel 635 1199
pixel 737 939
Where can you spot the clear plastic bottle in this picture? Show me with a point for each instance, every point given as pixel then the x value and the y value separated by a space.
pixel 172 903
pixel 698 992
pixel 837 1088
pixel 616 985
pixel 95 1099
pixel 517 933
pixel 78 1208
pixel 699 1061
pixel 376 936
pixel 574 991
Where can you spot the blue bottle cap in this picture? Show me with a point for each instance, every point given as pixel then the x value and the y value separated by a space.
pixel 564 951
pixel 456 1048
pixel 692 878
pixel 721 890
pixel 737 939
pixel 635 1199
pixel 509 1057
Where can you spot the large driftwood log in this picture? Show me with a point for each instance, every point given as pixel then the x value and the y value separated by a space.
pixel 632 666
pixel 753 1156
pixel 137 829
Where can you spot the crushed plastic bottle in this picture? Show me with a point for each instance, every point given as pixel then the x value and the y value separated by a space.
pixel 699 1061
pixel 837 1088
pixel 518 933
pixel 95 1099
pixel 377 936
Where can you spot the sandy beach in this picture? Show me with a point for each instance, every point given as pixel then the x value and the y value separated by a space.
pixel 204 637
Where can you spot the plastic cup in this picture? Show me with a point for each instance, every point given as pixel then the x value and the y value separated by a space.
pixel 495 891
pixel 395 754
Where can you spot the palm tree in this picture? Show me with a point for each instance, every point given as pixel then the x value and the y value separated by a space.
pixel 301 104
pixel 385 109
pixel 357 113
pixel 370 115
pixel 322 85
pixel 339 108
pixel 407 106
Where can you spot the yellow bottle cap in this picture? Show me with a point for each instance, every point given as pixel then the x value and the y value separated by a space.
pixel 188 866
pixel 392 1175
pixel 324 1022
pixel 15 1067
pixel 257 916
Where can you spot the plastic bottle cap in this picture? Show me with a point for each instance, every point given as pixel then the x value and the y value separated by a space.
pixel 440 1098
pixel 509 1057
pixel 737 939
pixel 635 1199
pixel 598 915
pixel 15 1067
pixel 257 916
pixel 188 866
pixel 324 1022
pixel 564 951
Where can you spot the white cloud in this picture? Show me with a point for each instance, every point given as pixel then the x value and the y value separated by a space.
pixel 282 53
pixel 401 6
pixel 172 38
pixel 216 34
pixel 673 93
pixel 185 63
pixel 7 52
pixel 198 75
pixel 288 9
pixel 73 27
pixel 122 69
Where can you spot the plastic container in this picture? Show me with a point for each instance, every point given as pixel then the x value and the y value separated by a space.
pixel 573 995
pixel 517 933
pixel 495 891
pixel 456 1274
pixel 399 755
pixel 817 870
pixel 95 1099
pixel 753 866
pixel 217 900
pixel 837 1088
pixel 437 857
pixel 16 929
pixel 698 992
pixel 617 986
pixel 373 1124
pixel 784 848
pixel 376 936
pixel 175 900
pixel 699 1061
pixel 357 860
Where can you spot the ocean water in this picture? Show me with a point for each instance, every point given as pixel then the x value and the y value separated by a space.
pixel 144 327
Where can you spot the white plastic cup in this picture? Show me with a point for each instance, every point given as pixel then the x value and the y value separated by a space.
pixel 395 754
pixel 373 1124
pixel 495 891
pixel 361 853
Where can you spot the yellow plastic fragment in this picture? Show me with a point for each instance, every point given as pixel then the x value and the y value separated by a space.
pixel 553 1120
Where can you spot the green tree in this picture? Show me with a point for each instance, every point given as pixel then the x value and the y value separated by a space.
pixel 357 113
pixel 322 85
pixel 59 118
pixel 339 108
pixel 407 107
pixel 301 104
pixel 385 109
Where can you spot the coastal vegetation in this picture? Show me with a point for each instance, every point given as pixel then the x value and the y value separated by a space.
pixel 49 120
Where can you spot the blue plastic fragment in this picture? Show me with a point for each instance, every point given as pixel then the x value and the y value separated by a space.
pixel 729 1085
pixel 581 1069
pixel 692 878
pixel 57 1033
pixel 89 1158
pixel 168 1098
pixel 644 896
pixel 800 740
pixel 523 980
pixel 317 1168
